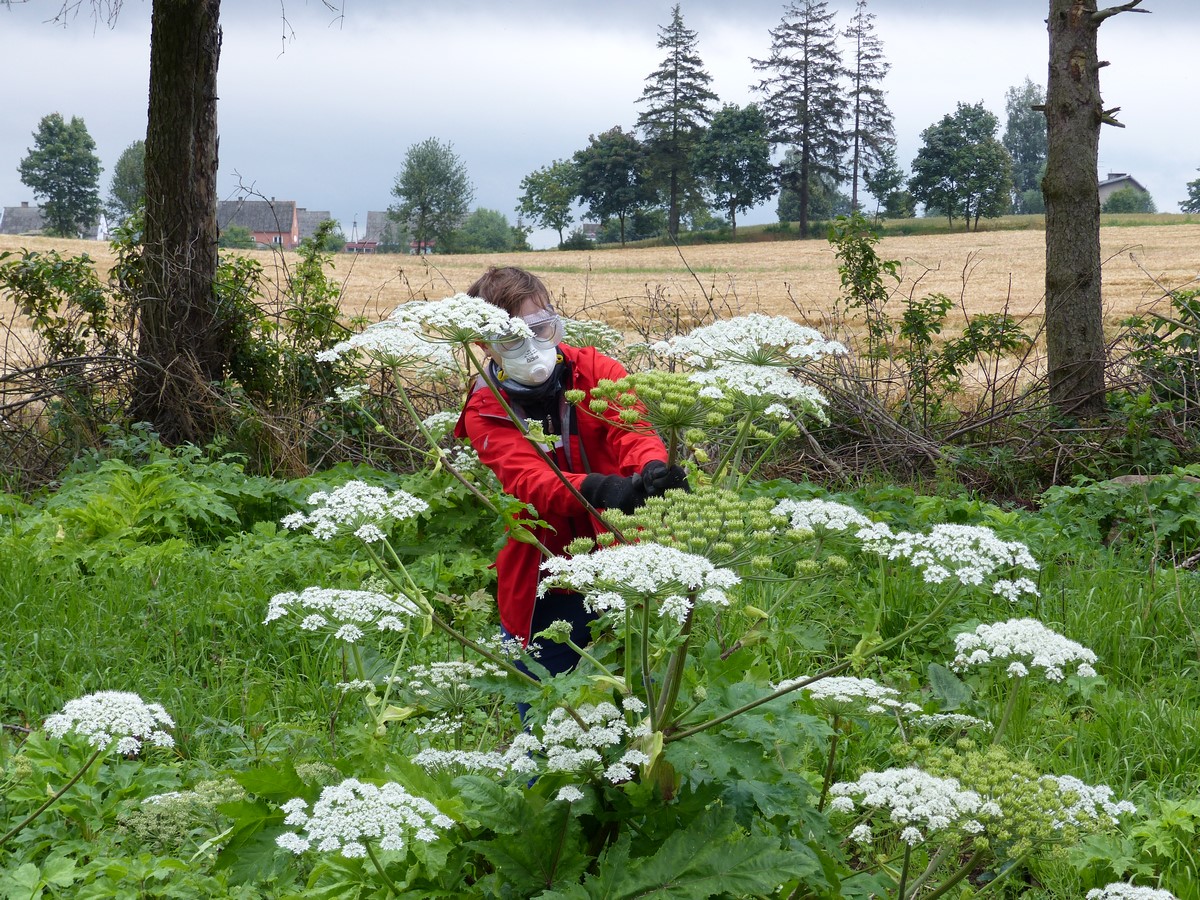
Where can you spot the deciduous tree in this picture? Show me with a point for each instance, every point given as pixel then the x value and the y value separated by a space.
pixel 803 97
pixel 1129 200
pixel 548 194
pixel 611 178
pixel 678 108
pixel 871 131
pixel 434 191
pixel 1025 137
pixel 1192 203
pixel 63 171
pixel 127 190
pixel 961 168
pixel 733 160
pixel 1075 347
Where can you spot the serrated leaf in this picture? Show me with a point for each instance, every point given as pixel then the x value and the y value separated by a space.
pixel 951 691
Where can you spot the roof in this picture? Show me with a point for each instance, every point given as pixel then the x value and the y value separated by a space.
pixel 1121 178
pixel 309 219
pixel 273 216
pixel 377 221
pixel 21 220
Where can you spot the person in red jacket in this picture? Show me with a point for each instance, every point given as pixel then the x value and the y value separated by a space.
pixel 611 466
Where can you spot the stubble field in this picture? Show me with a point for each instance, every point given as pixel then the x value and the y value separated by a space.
pixel 984 271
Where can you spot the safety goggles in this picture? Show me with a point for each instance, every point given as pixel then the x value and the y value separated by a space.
pixel 547 330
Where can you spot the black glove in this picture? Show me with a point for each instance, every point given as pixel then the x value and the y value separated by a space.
pixel 623 492
pixel 658 478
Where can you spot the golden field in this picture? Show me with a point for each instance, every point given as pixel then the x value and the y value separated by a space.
pixel 987 271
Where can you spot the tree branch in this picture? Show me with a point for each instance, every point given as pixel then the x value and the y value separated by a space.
pixel 1101 14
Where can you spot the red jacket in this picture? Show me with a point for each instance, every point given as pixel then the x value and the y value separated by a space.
pixel 607 448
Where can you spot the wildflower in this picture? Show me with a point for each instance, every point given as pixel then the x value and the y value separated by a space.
pixel 1085 803
pixel 108 716
pixel 460 319
pixel 844 692
pixel 570 793
pixel 440 424
pixel 590 333
pixel 349 814
pixel 351 507
pixel 934 721
pixel 755 339
pixel 1124 890
pixel 645 569
pixel 915 800
pixel 773 384
pixel 1023 643
pixel 344 610
pixel 394 343
pixel 969 553
pixel 809 515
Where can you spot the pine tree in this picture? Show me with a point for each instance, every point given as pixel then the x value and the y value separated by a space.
pixel 871 131
pixel 678 108
pixel 803 99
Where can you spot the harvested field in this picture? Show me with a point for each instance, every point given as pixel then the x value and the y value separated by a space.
pixel 987 271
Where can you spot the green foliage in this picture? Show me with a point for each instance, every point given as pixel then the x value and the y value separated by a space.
pixel 1025 139
pixel 1192 203
pixel 548 194
pixel 961 169
pixel 1164 352
pixel 63 171
pixel 861 272
pixel 127 190
pixel 611 172
pixel 1129 200
pixel 236 237
pixel 483 231
pixel 434 191
pixel 733 160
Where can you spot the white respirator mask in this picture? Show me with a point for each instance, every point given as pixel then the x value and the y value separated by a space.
pixel 531 360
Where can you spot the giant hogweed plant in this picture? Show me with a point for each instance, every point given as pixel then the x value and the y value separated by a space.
pixel 687 755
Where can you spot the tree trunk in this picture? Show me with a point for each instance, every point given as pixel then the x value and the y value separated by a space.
pixel 184 339
pixel 1075 346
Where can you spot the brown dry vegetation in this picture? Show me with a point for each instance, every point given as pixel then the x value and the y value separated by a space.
pixel 987 271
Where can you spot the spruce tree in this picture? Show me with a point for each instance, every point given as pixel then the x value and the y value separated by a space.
pixel 803 98
pixel 871 131
pixel 678 108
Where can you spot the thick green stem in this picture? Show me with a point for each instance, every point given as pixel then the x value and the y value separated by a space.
pixel 965 870
pixel 904 871
pixel 936 861
pixel 391 885
pixel 647 675
pixel 828 780
pixel 733 456
pixel 1009 706
pixel 17 829
pixel 675 667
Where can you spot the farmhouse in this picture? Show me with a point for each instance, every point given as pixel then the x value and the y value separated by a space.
pixel 27 220
pixel 273 223
pixel 1117 181
pixel 307 221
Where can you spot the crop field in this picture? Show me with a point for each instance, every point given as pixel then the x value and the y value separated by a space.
pixel 985 271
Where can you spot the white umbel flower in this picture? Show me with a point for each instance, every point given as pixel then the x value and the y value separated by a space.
pixel 1022 644
pixel 1088 803
pixel 645 569
pixel 113 716
pixel 345 611
pixel 756 339
pixel 1124 890
pixel 347 509
pixel 811 515
pixel 846 691
pixel 393 343
pixel 916 800
pixel 771 382
pixel 349 814
pixel 460 319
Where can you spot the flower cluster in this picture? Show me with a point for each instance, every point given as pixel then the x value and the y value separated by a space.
pixel 934 721
pixel 1023 643
pixel 768 385
pixel 713 522
pixel 1124 890
pixel 755 339
pixel 971 554
pixel 844 693
pixel 108 716
pixel 668 400
pixel 346 611
pixel 349 814
pixel 460 319
pixel 611 575
pixel 1086 804
pixel 440 424
pixel 820 515
pixel 596 749
pixel 920 803
pixel 356 508
pixel 395 343
pixel 590 333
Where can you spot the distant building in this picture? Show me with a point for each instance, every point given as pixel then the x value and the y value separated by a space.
pixel 1118 181
pixel 307 221
pixel 272 222
pixel 27 220
pixel 590 230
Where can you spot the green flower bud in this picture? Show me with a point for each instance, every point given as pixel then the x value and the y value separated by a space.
pixel 574 396
pixel 598 407
pixel 580 546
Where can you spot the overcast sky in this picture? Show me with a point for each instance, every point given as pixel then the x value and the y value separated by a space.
pixel 321 109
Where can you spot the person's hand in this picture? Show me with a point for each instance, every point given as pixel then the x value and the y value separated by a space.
pixel 623 492
pixel 658 478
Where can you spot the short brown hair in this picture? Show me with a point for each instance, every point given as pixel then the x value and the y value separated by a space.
pixel 508 288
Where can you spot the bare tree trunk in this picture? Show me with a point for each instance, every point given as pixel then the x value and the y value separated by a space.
pixel 1075 344
pixel 184 339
